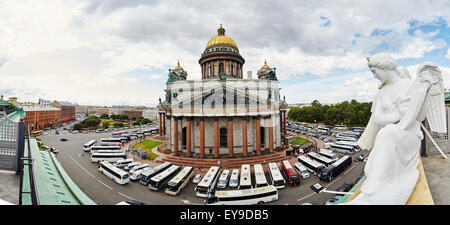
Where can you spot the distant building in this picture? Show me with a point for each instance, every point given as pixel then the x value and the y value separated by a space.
pixel 151 114
pixel 101 111
pixel 41 116
pixel 13 100
pixel 67 110
pixel 132 113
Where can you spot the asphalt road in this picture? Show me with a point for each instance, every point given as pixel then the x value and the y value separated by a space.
pixel 104 191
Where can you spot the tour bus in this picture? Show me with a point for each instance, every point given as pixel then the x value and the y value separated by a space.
pixel 110 157
pixel 311 165
pixel 340 127
pixel 320 158
pixel 344 138
pixel 88 145
pixel 110 141
pixel 180 181
pixel 324 130
pixel 335 169
pixel 37 133
pixel 123 163
pixel 144 178
pixel 223 179
pixel 159 181
pixel 348 134
pixel 208 182
pixel 133 136
pixel 275 175
pixel 246 179
pixel 95 149
pixel 301 170
pixel 118 134
pixel 244 197
pixel 292 176
pixel 260 177
pixel 344 147
pixel 234 179
pixel 118 175
pixel 328 153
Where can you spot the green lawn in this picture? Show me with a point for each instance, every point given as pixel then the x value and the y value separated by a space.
pixel 299 141
pixel 147 145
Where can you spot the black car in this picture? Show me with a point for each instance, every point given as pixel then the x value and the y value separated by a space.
pixel 63 139
pixel 345 187
pixel 359 158
pixel 134 202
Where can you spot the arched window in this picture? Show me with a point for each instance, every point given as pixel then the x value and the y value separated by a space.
pixel 223 137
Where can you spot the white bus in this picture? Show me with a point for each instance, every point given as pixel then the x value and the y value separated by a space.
pixel 275 174
pixel 301 169
pixel 223 179
pixel 340 127
pixel 339 146
pixel 110 157
pixel 180 181
pixel 95 149
pixel 260 177
pixel 311 165
pixel 320 158
pixel 116 174
pixel 139 167
pixel 234 179
pixel 110 141
pixel 208 182
pixel 328 153
pixel 88 145
pixel 159 181
pixel 244 197
pixel 145 177
pixel 246 177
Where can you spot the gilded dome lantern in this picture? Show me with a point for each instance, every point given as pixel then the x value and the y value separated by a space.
pixel 221 56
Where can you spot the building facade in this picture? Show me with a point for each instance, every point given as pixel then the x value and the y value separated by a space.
pixel 67 110
pixel 132 113
pixel 222 115
pixel 39 117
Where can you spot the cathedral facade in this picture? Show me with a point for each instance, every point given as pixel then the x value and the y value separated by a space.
pixel 222 114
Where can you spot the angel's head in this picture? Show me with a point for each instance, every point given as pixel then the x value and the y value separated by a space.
pixel 384 67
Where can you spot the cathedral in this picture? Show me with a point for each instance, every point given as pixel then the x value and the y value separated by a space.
pixel 222 114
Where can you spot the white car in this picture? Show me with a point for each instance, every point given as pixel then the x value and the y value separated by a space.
pixel 197 179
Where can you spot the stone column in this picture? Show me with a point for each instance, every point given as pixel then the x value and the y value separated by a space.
pixel 188 138
pixel 160 124
pixel 175 135
pixel 258 135
pixel 216 137
pixel 202 138
pixel 244 136
pixel 270 135
pixel 230 138
pixel 163 124
pixel 284 121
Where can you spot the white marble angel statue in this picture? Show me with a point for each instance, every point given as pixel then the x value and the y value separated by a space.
pixel 393 132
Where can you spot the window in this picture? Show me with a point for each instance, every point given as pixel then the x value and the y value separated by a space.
pixel 223 137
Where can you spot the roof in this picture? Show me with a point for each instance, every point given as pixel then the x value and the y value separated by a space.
pixel 221 39
pixel 40 108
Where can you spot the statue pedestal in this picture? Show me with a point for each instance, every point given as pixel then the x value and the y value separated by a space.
pixel 421 194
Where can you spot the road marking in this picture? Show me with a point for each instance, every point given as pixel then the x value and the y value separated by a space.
pixel 88 172
pixel 333 181
pixel 125 196
pixel 300 199
pixel 349 170
pixel 80 166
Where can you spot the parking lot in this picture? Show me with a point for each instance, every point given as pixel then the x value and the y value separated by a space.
pixel 105 191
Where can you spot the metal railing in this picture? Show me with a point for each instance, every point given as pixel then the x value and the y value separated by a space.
pixel 28 160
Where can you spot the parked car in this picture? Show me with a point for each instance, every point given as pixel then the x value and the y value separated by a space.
pixel 54 150
pixel 345 187
pixel 333 200
pixel 134 202
pixel 63 139
pixel 359 158
pixel 197 179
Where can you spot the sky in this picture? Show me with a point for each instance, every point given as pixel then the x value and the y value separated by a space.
pixel 99 52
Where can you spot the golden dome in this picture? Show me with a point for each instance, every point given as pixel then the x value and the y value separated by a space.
pixel 221 39
pixel 178 66
pixel 265 66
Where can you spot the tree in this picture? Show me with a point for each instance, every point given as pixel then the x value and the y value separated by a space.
pixel 105 125
pixel 104 116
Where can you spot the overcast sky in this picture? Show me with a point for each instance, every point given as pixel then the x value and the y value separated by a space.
pixel 100 52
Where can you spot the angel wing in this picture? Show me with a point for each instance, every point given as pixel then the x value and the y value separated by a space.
pixel 367 139
pixel 427 100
